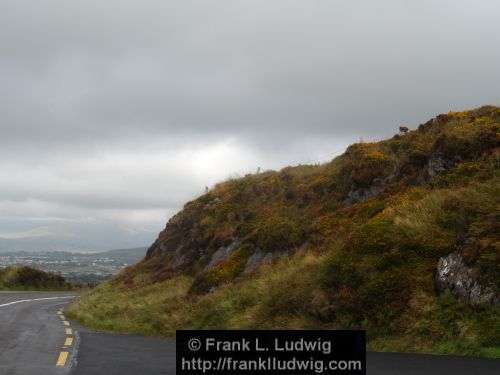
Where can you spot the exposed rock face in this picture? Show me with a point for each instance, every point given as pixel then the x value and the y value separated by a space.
pixel 438 164
pixel 463 281
pixel 222 254
pixel 253 262
pixel 257 259
pixel 362 194
pixel 181 244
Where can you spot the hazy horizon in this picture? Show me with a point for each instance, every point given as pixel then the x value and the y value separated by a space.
pixel 34 250
pixel 116 113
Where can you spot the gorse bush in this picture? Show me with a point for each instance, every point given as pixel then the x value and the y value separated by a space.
pixel 278 232
pixel 365 162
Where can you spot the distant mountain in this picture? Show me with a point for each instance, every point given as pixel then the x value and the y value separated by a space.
pixel 42 243
pixel 129 256
pixel 71 244
pixel 48 243
pixel 34 244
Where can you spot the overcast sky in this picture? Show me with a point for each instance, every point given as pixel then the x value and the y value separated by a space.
pixel 114 113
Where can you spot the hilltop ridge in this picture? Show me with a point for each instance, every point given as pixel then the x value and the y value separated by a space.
pixel 276 212
pixel 398 237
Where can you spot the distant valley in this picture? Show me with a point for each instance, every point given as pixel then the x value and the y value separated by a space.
pixel 81 268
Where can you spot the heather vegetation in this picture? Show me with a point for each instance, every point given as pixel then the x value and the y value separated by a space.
pixel 353 243
pixel 27 278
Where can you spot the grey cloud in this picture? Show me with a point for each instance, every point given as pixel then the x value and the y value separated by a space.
pixel 98 70
pixel 285 81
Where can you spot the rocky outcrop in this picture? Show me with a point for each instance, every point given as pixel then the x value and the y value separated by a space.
pixel 257 259
pixel 463 281
pixel 253 262
pixel 363 194
pixel 438 164
pixel 222 254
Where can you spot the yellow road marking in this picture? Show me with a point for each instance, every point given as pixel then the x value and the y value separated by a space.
pixel 61 361
pixel 69 341
pixel 65 322
pixel 69 331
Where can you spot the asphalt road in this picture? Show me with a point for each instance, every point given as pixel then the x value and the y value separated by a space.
pixel 419 364
pixel 33 335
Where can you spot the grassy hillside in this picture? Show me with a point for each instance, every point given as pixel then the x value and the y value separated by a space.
pixel 353 243
pixel 27 278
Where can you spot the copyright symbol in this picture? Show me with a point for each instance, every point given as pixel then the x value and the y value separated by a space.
pixel 194 345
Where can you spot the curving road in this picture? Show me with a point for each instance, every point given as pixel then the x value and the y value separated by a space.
pixel 34 334
pixel 31 333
